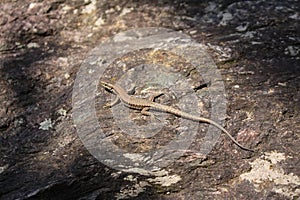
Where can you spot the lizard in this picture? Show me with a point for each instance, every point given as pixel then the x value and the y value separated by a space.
pixel 145 104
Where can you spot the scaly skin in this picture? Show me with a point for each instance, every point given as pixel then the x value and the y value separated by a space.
pixel 145 105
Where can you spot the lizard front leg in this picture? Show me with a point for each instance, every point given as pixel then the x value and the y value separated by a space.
pixel 113 103
pixel 145 111
pixel 154 95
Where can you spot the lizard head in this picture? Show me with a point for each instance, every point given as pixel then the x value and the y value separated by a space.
pixel 107 86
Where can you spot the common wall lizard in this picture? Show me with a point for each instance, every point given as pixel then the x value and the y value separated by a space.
pixel 145 104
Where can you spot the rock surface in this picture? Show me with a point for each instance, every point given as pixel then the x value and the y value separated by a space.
pixel 255 45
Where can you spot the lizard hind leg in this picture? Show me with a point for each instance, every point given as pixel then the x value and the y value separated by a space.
pixel 145 111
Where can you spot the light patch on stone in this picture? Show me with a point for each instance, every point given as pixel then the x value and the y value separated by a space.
pixel 66 8
pixel 226 17
pixel 126 11
pixel 162 177
pixel 154 172
pixel 99 22
pixel 46 125
pixel 292 50
pixel 165 181
pixel 3 168
pixel 130 178
pixel 242 27
pixel 266 172
pixel 249 34
pixel 33 45
pixel 91 7
pixel 295 16
pixel 62 112
pixel 33 6
pixel 67 76
pixel 138 171
pixel 134 156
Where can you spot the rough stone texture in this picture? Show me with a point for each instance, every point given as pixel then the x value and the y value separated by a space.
pixel 255 45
